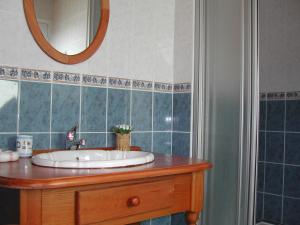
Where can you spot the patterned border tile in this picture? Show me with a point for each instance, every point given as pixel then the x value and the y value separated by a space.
pixel 36 75
pixel 163 87
pixel 93 80
pixel 182 87
pixel 262 96
pixel 142 85
pixel 70 78
pixel 276 96
pixel 295 95
pixel 119 83
pixel 7 72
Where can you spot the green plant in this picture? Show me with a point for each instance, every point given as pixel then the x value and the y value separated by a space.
pixel 122 129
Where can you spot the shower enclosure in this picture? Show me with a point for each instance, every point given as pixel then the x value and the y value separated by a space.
pixel 247 110
pixel 226 107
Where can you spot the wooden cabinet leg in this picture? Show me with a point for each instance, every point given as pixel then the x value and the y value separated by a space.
pixel 192 218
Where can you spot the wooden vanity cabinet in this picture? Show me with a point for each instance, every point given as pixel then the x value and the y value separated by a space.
pixel 108 197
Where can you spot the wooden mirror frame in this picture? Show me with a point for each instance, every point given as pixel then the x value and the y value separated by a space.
pixel 50 50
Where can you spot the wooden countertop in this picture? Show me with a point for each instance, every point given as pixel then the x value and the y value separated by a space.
pixel 24 175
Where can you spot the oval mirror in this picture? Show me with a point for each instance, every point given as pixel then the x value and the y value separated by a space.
pixel 69 31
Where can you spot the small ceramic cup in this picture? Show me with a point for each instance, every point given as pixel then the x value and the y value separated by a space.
pixel 24 145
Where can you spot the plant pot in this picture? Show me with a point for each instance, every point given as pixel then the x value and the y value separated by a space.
pixel 123 142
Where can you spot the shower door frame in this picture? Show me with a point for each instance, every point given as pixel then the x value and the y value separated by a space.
pixel 249 118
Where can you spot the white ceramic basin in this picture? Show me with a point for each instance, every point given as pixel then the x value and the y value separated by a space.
pixel 92 159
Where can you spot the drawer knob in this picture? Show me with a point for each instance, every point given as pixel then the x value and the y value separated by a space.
pixel 133 201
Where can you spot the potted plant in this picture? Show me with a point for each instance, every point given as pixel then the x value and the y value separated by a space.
pixel 123 137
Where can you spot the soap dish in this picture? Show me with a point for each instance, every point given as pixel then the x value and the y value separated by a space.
pixel 8 156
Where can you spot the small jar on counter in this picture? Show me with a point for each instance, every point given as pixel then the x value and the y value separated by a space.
pixel 24 145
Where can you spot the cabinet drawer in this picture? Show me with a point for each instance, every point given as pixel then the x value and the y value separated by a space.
pixel 98 205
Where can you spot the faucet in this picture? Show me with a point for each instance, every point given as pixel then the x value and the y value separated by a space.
pixel 71 138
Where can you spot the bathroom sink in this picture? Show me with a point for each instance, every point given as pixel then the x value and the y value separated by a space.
pixel 92 159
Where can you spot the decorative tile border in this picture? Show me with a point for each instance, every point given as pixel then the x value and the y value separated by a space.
pixel 291 95
pixel 36 75
pixel 93 80
pixel 262 96
pixel 142 85
pixel 14 73
pixel 182 87
pixel 276 96
pixel 10 73
pixel 119 83
pixel 71 78
pixel 163 87
pixel 295 95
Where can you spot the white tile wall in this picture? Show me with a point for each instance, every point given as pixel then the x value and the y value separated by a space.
pixel 279 22
pixel 139 43
pixel 183 42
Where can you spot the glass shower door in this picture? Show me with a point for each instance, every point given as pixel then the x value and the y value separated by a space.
pixel 228 111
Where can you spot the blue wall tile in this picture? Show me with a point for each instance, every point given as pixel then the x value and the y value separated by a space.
pixel 273 178
pixel 277 144
pixel 181 144
pixel 9 105
pixel 93 109
pixel 40 141
pixel 259 206
pixel 292 115
pixel 142 140
pixel 292 148
pixel 147 222
pixel 178 219
pixel 162 112
pixel 291 211
pixel 94 140
pixel 261 146
pixel 274 147
pixel 166 220
pixel 141 112
pixel 35 107
pixel 262 115
pixel 292 181
pixel 275 115
pixel 111 140
pixel 182 112
pixel 58 141
pixel 162 142
pixel 260 176
pixel 96 103
pixel 272 208
pixel 8 141
pixel 65 107
pixel 118 108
